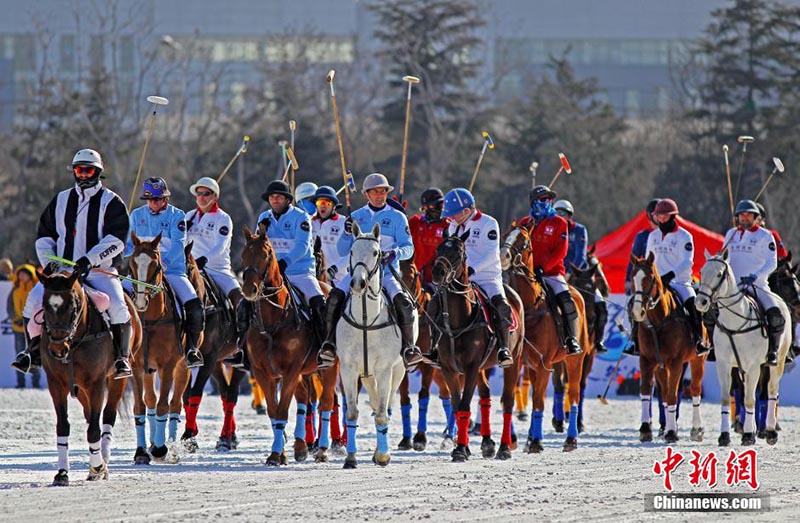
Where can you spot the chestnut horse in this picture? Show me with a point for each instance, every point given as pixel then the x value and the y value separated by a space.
pixel 78 358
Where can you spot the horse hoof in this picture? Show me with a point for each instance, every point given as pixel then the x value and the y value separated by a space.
pixel 420 441
pixel 522 416
pixel 190 444
pixel 488 447
pixel 645 433
pixel 724 439
pixel 534 446
pixel 447 443
pixel 697 434
pixel 300 450
pixel 459 454
pixel 580 427
pixel 381 459
pixel 234 441
pixel 284 460
pixel 738 428
pixel 558 425
pixel 61 479
pixel 777 426
pixel 761 434
pixel 504 453
pixel 350 461
pixel 223 444
pixel 98 473
pixel 261 410
pixel 405 444
pixel 514 441
pixel 570 444
pixel 772 437
pixel 141 457
pixel 337 448
pixel 159 453
pixel 273 460
pixel 748 438
pixel 671 436
pixel 321 456
pixel 660 432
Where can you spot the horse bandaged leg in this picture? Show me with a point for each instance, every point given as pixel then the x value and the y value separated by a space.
pixel 324 429
pixel 696 420
pixel 572 429
pixel 580 405
pixel 161 430
pixel 151 423
pixel 462 422
pixel 645 408
pixel 772 413
pixel 95 458
pixel 537 422
pixel 749 420
pixel 558 406
pixel 279 439
pixel 405 412
pixel 450 419
pixel 336 428
pixel 191 407
pixel 422 421
pixel 141 439
pixel 671 419
pixel 505 438
pixel 486 413
pixel 105 442
pixel 383 439
pixel 351 437
pixel 726 418
pixel 62 444
pixel 300 423
pixel 174 419
pixel 311 436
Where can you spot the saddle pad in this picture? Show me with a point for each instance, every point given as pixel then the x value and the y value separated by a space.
pixel 483 299
pixel 100 299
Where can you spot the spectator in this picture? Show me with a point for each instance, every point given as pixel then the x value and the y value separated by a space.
pixel 6 269
pixel 24 281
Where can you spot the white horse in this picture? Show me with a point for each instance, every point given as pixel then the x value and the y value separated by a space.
pixel 739 342
pixel 369 344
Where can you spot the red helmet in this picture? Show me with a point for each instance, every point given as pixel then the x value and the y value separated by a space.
pixel 666 206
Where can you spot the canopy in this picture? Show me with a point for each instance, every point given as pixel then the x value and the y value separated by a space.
pixel 614 249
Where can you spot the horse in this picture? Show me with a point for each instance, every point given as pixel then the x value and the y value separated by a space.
pixel 666 342
pixel 413 282
pixel 161 352
pixel 457 316
pixel 542 345
pixel 280 345
pixel 739 326
pixel 78 358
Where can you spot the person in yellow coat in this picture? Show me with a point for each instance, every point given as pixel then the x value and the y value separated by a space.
pixel 24 280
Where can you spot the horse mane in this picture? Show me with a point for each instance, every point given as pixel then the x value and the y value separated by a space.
pixel 193 272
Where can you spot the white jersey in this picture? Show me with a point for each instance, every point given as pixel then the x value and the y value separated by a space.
pixel 483 249
pixel 211 233
pixel 752 251
pixel 674 252
pixel 328 232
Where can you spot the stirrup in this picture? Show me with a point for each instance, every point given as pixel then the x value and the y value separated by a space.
pixel 432 359
pixel 23 363
pixel 194 358
pixel 504 358
pixel 122 369
pixel 600 348
pixel 236 360
pixel 412 357
pixel 326 356
pixel 572 345
pixel 772 359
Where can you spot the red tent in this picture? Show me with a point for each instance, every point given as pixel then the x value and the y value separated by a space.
pixel 614 249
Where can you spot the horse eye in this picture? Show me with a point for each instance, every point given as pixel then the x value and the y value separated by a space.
pixel 374 252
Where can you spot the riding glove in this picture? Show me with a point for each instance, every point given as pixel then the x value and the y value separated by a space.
pixel 668 277
pixel 748 280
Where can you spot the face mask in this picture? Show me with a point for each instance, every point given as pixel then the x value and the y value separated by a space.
pixel 667 226
pixel 433 214
pixel 89 182
pixel 541 210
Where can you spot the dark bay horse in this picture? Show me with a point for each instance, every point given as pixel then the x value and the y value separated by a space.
pixel 543 348
pixel 665 344
pixel 78 358
pixel 464 345
pixel 281 346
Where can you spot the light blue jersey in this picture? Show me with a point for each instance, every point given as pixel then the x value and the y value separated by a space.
pixel 172 225
pixel 290 235
pixel 395 235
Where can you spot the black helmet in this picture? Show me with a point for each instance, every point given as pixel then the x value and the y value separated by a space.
pixel 651 205
pixel 761 210
pixel 747 206
pixel 277 187
pixel 539 191
pixel 432 196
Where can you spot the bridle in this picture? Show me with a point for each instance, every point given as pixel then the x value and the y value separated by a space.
pixel 452 271
pixel 648 300
pixel 511 244
pixel 151 289
pixel 786 278
pixel 262 290
pixel 76 312
pixel 371 271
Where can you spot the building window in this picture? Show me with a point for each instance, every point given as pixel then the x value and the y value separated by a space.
pixel 67 53
pixel 24 53
pixel 97 54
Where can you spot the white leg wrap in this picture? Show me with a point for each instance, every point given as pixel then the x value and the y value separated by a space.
pixel 95 459
pixel 696 420
pixel 105 443
pixel 672 422
pixel 645 408
pixel 62 443
pixel 772 417
pixel 726 418
pixel 749 420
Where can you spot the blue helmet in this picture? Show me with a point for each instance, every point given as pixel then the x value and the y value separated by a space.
pixel 327 192
pixel 154 189
pixel 747 206
pixel 456 201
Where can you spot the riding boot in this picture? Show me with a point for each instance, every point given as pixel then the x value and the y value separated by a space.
pixel 502 322
pixel 632 348
pixel 30 359
pixel 696 325
pixel 405 320
pixel 194 328
pixel 432 312
pixel 333 311
pixel 600 318
pixel 317 305
pixel 571 322
pixel 775 325
pixel 244 311
pixel 122 349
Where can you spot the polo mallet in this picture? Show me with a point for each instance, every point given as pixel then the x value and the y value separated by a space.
pixel 156 101
pixel 565 167
pixel 242 150
pixel 291 164
pixel 411 81
pixel 602 398
pixel 744 140
pixel 487 143
pixel 345 172
pixel 292 129
pixel 532 169
pixel 70 263
pixel 282 144
pixel 728 174
pixel 777 169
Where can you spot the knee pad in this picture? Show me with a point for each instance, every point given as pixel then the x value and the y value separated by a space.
pixel 775 319
pixel 567 304
pixel 195 317
pixel 404 308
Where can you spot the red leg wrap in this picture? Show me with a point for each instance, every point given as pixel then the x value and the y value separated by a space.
pixel 462 422
pixel 486 409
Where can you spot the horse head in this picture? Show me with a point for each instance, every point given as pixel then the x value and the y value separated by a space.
pixel 319 260
pixel 261 270
pixel 64 306
pixel 365 261
pixel 716 280
pixel 145 265
pixel 450 263
pixel 514 246
pixel 583 279
pixel 193 271
pixel 785 283
pixel 648 289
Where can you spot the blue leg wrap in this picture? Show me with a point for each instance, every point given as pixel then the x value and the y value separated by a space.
pixel 580 405
pixel 405 410
pixel 278 442
pixel 151 422
pixel 572 430
pixel 536 424
pixel 161 430
pixel 558 406
pixel 141 440
pixel 383 438
pixel 174 419
pixel 300 423
pixel 422 422
pixel 447 406
pixel 351 437
pixel 325 429
pixel 761 414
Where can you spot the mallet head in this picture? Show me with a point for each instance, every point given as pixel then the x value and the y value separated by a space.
pixel 292 125
pixel 725 148
pixel 745 139
pixel 157 100
pixel 411 79
pixel 488 139
pixel 292 158
pixel 565 163
pixel 282 143
pixel 778 165
pixel 330 76
pixel 245 143
pixel 533 167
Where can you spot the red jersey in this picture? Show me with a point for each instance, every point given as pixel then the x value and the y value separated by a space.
pixel 426 237
pixel 781 250
pixel 549 243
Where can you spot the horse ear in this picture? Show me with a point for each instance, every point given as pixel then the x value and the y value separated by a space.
pixel 464 237
pixel 73 278
pixel 187 251
pixel 247 232
pixel 789 257
pixel 725 254
pixel 42 275
pixel 356 229
pixel 592 249
pixel 651 257
pixel 635 259
pixel 262 229
pixel 708 254
pixel 376 231
pixel 575 268
pixel 156 240
pixel 135 239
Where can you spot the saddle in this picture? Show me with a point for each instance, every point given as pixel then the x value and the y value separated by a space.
pixel 485 306
pixel 216 302
pixel 555 311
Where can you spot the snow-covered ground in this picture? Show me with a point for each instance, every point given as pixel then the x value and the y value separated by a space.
pixel 605 479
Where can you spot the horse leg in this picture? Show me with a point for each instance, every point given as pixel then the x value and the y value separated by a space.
pixel 669 390
pixel 181 379
pixel 447 407
pixel 510 378
pixel 94 406
pixel 232 396
pixel 471 375
pixel 750 382
pixel 724 377
pixel 165 377
pixel 423 399
pixel 698 366
pixel 762 396
pixel 737 386
pixel 574 365
pixel 384 384
pixel 328 377
pixel 314 386
pixel 539 379
pixel 588 363
pixel 350 386
pixel 58 393
pixel 301 396
pixel 116 388
pixel 405 411
pixel 558 397
pixel 488 446
pixel 521 395
pixel 646 367
pixel 462 427
pixel 775 373
pixel 150 400
pixel 140 457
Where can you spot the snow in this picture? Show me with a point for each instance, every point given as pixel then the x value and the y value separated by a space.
pixel 605 479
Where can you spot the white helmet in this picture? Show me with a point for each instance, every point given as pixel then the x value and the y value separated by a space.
pixel 375 181
pixel 305 190
pixel 88 157
pixel 205 181
pixel 564 205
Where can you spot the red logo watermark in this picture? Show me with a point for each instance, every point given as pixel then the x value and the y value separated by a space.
pixel 740 469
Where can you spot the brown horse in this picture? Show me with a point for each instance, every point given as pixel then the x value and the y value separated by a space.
pixel 543 346
pixel 281 346
pixel 413 282
pixel 665 344
pixel 161 352
pixel 465 345
pixel 78 358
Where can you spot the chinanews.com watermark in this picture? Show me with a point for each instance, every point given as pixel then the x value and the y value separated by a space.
pixel 741 470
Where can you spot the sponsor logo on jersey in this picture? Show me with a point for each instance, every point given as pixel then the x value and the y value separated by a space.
pixel 224 230
pixel 492 235
pixel 305 226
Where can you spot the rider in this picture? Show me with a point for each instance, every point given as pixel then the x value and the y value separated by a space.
pixel 577 256
pixel 158 216
pixel 483 260
pixel 304 196
pixel 87 223
pixel 673 248
pixel 753 258
pixel 396 245
pixel 426 232
pixel 289 230
pixel 549 244
pixel 328 226
pixel 639 250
